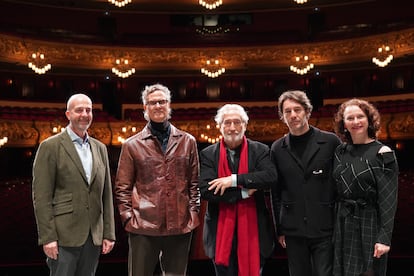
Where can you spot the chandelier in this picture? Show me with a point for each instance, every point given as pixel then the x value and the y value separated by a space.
pixel 38 63
pixel 212 68
pixel 385 56
pixel 302 65
pixel 212 31
pixel 121 69
pixel 120 4
pixel 209 134
pixel 300 1
pixel 3 141
pixel 210 4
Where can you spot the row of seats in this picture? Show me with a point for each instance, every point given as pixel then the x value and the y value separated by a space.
pixel 255 112
pixel 269 112
pixel 45 114
pixel 18 224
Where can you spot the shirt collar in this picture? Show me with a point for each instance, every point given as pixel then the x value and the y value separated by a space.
pixel 75 138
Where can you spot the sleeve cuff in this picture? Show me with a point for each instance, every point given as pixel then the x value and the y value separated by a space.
pixel 234 180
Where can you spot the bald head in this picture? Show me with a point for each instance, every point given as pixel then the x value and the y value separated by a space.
pixel 77 98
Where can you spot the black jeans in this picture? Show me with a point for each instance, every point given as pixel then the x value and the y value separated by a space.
pixel 309 256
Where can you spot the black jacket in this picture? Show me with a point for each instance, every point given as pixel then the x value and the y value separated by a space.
pixel 303 199
pixel 261 176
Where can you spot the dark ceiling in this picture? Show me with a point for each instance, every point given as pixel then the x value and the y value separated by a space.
pixel 173 35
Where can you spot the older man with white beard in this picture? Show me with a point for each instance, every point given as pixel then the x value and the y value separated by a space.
pixel 234 175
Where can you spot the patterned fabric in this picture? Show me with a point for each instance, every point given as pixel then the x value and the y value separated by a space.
pixel 367 184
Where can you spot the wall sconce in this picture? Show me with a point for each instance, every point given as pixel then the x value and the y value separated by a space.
pixel 3 141
pixel 302 65
pixel 38 63
pixel 209 134
pixel 212 68
pixel 210 4
pixel 57 128
pixel 118 3
pixel 126 131
pixel 385 56
pixel 121 68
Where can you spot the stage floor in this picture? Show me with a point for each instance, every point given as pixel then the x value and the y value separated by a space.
pixel 275 267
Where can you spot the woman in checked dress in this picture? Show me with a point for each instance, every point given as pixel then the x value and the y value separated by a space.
pixel 366 174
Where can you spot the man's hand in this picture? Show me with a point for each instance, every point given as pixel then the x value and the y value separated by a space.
pixel 51 250
pixel 194 222
pixel 282 241
pixel 220 184
pixel 250 192
pixel 107 246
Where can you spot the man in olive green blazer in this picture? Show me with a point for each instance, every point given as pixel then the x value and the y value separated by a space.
pixel 72 195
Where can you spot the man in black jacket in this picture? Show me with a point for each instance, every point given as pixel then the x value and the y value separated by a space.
pixel 234 175
pixel 303 199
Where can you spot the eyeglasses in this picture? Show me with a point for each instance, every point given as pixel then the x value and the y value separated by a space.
pixel 154 103
pixel 237 123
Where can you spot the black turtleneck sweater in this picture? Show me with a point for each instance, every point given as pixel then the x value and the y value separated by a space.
pixel 161 131
pixel 299 143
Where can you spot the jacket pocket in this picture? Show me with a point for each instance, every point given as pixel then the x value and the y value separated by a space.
pixel 325 217
pixel 62 204
pixel 289 216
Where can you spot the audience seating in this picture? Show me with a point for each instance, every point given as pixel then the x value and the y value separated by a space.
pixel 19 228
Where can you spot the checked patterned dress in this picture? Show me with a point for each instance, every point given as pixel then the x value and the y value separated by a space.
pixel 367 186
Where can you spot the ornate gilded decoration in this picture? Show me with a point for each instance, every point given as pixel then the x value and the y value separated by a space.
pixel 19 133
pixel 15 49
pixel 28 133
pixel 402 126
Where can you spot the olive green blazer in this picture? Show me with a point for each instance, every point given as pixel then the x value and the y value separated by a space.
pixel 66 207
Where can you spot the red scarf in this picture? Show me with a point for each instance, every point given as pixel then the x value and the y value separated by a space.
pixel 244 214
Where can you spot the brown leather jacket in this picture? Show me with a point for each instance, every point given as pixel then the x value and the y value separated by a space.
pixel 156 191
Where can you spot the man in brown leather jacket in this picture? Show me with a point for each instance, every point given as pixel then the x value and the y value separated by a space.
pixel 156 189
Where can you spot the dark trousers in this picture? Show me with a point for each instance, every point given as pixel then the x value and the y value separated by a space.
pixel 308 256
pixel 146 251
pixel 232 269
pixel 75 261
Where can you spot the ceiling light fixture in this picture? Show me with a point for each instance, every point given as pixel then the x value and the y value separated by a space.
pixel 300 1
pixel 120 4
pixel 39 64
pixel 302 65
pixel 211 5
pixel 121 69
pixel 385 56
pixel 212 31
pixel 213 69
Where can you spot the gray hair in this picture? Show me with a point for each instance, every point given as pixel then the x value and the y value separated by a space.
pixel 151 89
pixel 231 108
